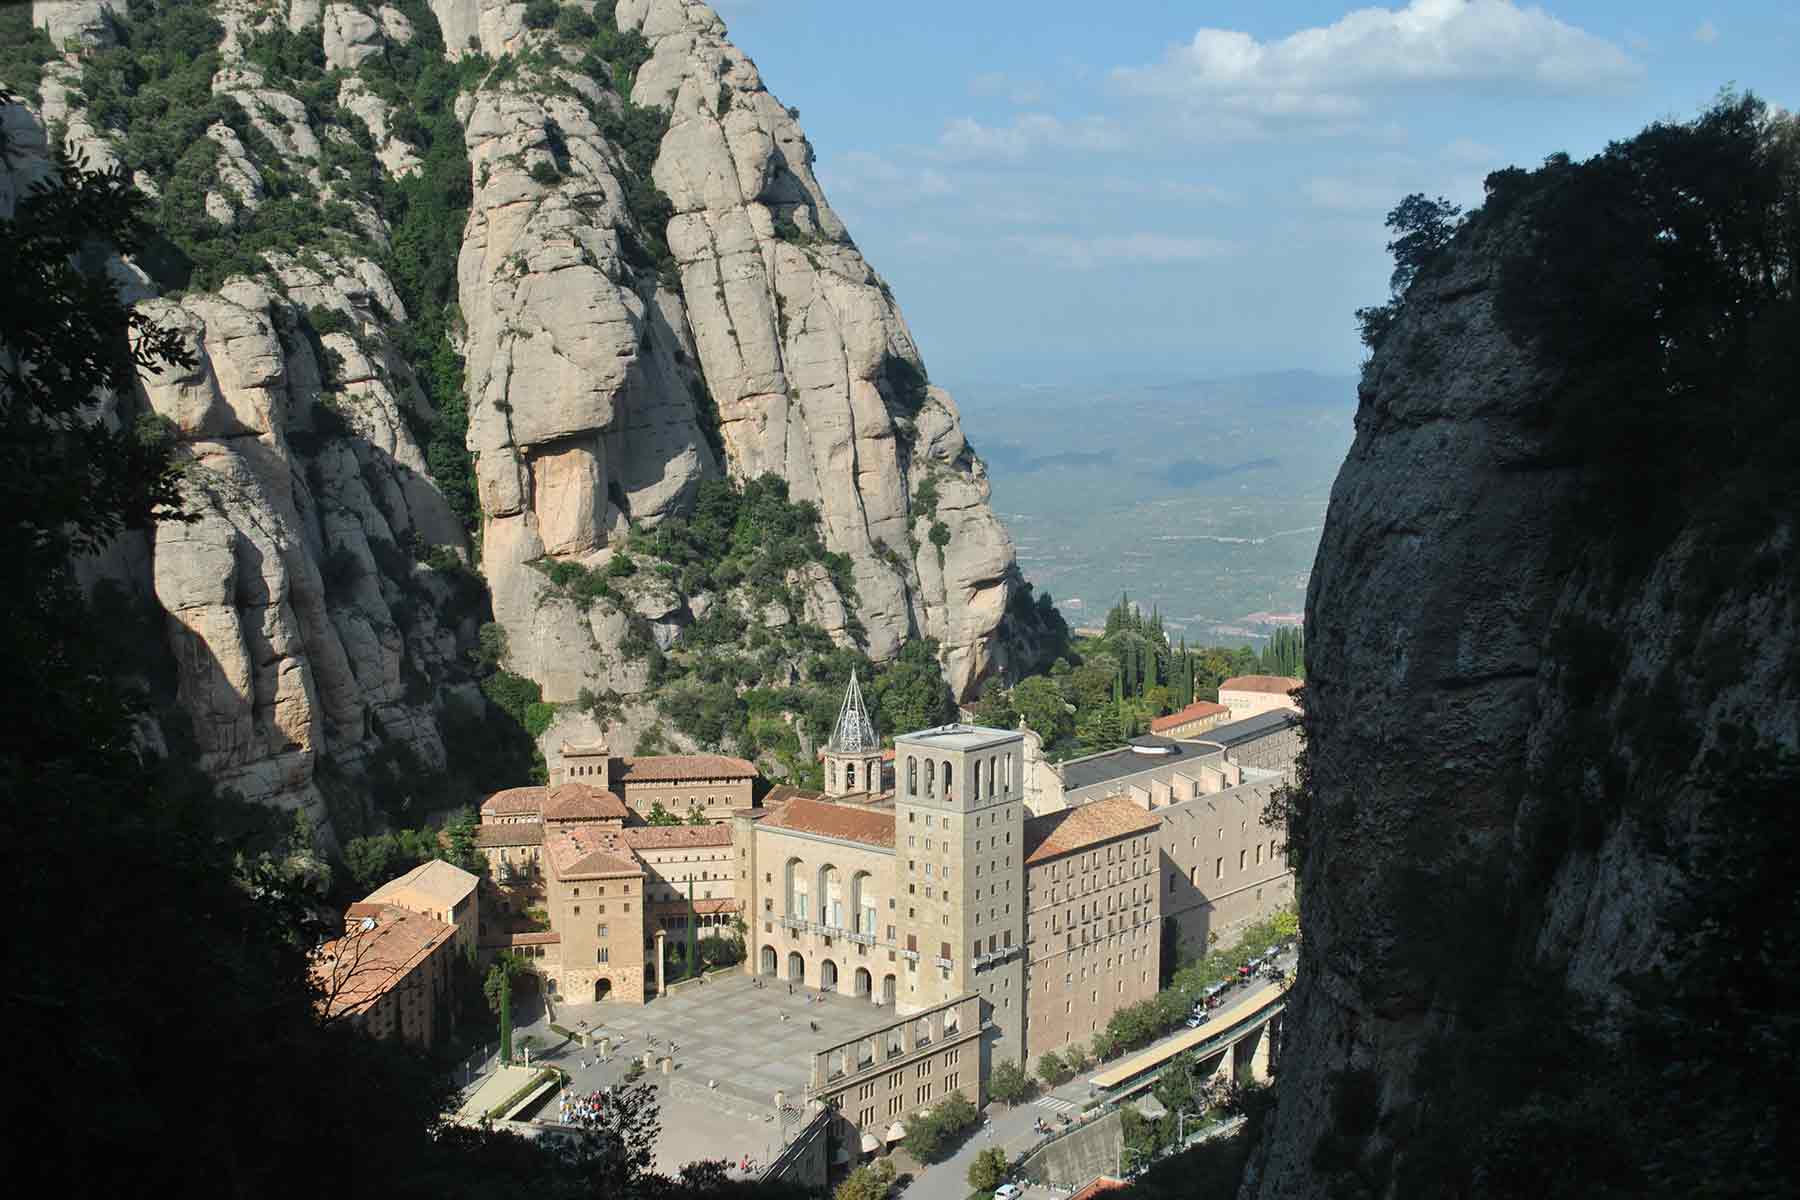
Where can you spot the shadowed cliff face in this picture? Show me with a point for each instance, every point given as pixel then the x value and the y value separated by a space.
pixel 1553 708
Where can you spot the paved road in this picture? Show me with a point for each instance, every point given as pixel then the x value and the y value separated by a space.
pixel 1014 1129
pixel 949 1180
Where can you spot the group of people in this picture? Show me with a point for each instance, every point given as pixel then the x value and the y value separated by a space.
pixel 583 1110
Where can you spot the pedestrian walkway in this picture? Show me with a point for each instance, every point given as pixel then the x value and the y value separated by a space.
pixel 1055 1104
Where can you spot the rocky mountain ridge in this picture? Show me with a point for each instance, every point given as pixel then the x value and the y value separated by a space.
pixel 1553 702
pixel 649 291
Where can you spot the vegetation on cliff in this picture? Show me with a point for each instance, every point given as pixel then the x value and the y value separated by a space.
pixel 1653 289
pixel 1100 692
pixel 200 1030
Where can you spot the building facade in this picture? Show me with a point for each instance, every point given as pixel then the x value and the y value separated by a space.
pixel 441 890
pixel 913 1062
pixel 1093 919
pixel 1249 695
pixel 919 888
pixel 712 786
pixel 1191 721
pixel 389 972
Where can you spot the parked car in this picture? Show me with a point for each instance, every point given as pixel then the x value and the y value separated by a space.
pixel 1008 1191
pixel 1198 1018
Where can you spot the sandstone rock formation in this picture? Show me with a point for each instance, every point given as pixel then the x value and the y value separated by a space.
pixel 603 384
pixel 583 371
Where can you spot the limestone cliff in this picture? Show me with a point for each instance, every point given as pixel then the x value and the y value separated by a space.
pixel 649 290
pixel 1553 707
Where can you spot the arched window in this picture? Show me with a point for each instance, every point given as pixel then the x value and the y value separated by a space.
pixel 946 779
pixel 930 777
pixel 912 776
pixel 849 777
pixel 834 775
pixel 796 890
pixel 975 783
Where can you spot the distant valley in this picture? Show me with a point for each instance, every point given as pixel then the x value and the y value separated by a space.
pixel 1204 498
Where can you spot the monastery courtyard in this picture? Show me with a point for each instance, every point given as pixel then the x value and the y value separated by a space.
pixel 735 1053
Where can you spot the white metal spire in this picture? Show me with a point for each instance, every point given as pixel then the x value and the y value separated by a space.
pixel 854 732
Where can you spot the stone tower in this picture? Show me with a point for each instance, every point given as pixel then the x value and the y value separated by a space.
pixel 959 840
pixel 853 755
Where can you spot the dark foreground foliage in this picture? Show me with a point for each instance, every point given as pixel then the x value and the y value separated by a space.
pixel 169 1043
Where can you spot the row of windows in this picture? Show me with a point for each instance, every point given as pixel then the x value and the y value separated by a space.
pixel 624 890
pixel 999 772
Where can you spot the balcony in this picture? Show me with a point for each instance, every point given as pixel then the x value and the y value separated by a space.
pixel 911 955
pixel 797 924
pixel 862 939
pixel 945 963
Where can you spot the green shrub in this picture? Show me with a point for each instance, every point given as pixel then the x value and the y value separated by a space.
pixel 541 14
pixel 933 1136
pixel 544 172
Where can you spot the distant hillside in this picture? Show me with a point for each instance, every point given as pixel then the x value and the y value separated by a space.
pixel 1202 497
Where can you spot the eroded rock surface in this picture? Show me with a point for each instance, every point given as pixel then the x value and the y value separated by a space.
pixel 605 381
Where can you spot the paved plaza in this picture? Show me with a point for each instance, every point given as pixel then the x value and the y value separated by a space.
pixel 735 1051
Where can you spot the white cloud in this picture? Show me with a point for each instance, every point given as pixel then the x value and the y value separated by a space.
pixel 883 183
pixel 1467 152
pixel 1112 250
pixel 1348 195
pixel 1706 33
pixel 1324 77
pixel 1017 89
pixel 1027 134
pixel 1172 189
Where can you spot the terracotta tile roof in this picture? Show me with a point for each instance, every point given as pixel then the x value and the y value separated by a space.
pixel 1055 834
pixel 513 833
pixel 584 851
pixel 583 802
pixel 434 879
pixel 672 768
pixel 1198 710
pixel 1104 1183
pixel 846 822
pixel 782 793
pixel 1274 685
pixel 664 837
pixel 514 801
pixel 356 970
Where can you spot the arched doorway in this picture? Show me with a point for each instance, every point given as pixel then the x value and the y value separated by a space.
pixel 796 967
pixel 602 988
pixel 769 960
pixel 865 983
pixel 828 976
pixel 887 989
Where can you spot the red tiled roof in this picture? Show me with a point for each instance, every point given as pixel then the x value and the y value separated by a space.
pixel 513 801
pixel 583 802
pixel 672 768
pixel 1055 834
pixel 662 837
pixel 356 970
pixel 1274 685
pixel 512 833
pixel 847 822
pixel 1104 1183
pixel 585 851
pixel 782 793
pixel 503 937
pixel 1198 710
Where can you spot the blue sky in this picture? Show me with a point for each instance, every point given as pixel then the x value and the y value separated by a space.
pixel 1074 192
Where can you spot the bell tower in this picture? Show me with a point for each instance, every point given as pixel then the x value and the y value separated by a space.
pixel 853 755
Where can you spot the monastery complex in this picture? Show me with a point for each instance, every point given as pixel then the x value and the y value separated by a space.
pixel 986 903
